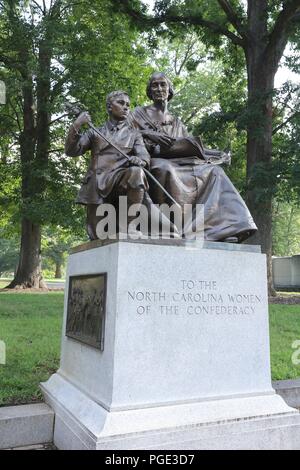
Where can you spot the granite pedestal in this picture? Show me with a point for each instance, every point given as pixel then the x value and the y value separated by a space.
pixel 185 359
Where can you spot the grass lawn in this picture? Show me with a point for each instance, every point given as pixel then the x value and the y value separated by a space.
pixel 284 330
pixel 5 281
pixel 30 325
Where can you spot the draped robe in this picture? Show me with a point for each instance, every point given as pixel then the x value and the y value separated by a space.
pixel 185 174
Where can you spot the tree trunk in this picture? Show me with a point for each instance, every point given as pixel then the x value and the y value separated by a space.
pixel 43 93
pixel 259 159
pixel 261 73
pixel 34 148
pixel 58 271
pixel 29 274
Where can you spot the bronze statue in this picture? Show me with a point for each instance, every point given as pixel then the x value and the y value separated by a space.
pixel 180 164
pixel 117 167
pixel 110 174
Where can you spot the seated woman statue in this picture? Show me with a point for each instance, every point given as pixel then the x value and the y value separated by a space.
pixel 182 165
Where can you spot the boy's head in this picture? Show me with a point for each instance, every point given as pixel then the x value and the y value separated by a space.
pixel 118 105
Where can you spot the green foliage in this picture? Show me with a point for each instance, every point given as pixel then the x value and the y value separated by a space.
pixel 94 49
pixel 56 244
pixel 286 229
pixel 90 52
pixel 103 55
pixel 9 255
pixel 286 144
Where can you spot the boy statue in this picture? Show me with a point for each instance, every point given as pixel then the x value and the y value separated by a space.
pixel 110 174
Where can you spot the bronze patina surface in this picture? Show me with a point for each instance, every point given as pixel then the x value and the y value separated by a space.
pixel 86 309
pixel 110 174
pixel 182 170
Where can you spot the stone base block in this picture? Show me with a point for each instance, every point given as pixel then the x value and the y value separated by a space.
pixel 289 390
pixel 184 356
pixel 250 422
pixel 25 425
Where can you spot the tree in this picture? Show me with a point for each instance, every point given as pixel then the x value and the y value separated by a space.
pixel 286 229
pixel 262 32
pixel 53 51
pixel 56 243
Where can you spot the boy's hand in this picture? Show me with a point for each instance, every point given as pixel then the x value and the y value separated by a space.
pixel 136 161
pixel 83 118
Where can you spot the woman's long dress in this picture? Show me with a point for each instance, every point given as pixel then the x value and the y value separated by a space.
pixel 190 180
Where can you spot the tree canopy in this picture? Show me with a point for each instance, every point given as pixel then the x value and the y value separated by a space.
pixel 222 57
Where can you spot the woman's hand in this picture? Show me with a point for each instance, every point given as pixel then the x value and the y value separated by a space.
pixel 158 139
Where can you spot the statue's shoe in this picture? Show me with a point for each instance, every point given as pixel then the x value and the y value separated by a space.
pixel 230 240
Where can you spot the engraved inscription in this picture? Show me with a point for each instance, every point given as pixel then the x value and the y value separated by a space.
pixel 86 309
pixel 194 297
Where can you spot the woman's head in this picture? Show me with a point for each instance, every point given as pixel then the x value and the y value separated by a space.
pixel 159 87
